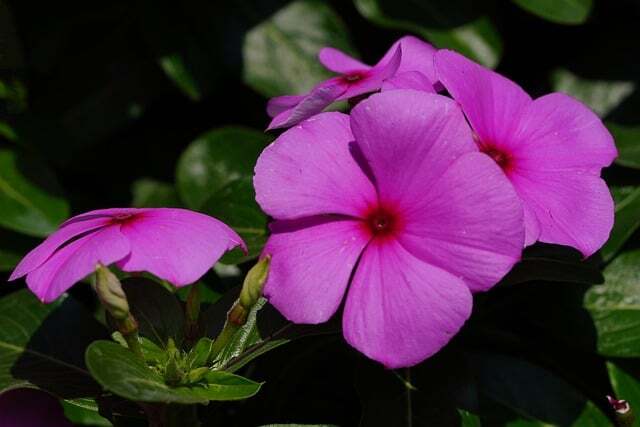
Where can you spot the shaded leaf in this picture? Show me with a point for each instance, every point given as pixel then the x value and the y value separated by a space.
pixel 121 372
pixel 43 345
pixel 280 54
pixel 624 376
pixel 627 140
pixel 84 412
pixel 558 11
pixel 29 196
pixel 615 307
pixel 627 221
pixel 158 311
pixel 175 67
pixel 447 24
pixel 553 270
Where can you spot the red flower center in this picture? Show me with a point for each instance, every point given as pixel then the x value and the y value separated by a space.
pixel 382 221
pixel 500 156
pixel 354 76
pixel 124 218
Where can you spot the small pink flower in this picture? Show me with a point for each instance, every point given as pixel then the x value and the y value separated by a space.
pixel 396 204
pixel 552 149
pixel 176 245
pixel 408 64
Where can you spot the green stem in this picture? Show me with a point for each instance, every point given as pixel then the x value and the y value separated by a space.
pixel 407 377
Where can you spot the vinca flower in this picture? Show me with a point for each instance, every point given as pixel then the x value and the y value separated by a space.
pixel 552 149
pixel 176 245
pixel 395 207
pixel 408 64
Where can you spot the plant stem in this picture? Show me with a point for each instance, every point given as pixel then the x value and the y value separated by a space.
pixel 407 377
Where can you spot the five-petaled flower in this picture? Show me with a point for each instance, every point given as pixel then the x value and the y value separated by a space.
pixel 396 204
pixel 176 245
pixel 408 64
pixel 552 149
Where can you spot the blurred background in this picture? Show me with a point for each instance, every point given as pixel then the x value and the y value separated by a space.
pixel 157 103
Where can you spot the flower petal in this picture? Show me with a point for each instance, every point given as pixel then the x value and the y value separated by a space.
pixel 409 80
pixel 400 310
pixel 375 77
pixel 409 138
pixel 280 104
pixel 417 55
pixel 309 170
pixel 317 100
pixel 27 407
pixel 559 132
pixel 312 260
pixel 492 103
pixel 77 260
pixel 177 245
pixel 573 208
pixel 339 62
pixel 70 229
pixel 469 223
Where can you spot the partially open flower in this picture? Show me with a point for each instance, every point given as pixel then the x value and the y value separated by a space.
pixel 408 64
pixel 176 245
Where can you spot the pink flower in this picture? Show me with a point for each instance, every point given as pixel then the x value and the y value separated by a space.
pixel 552 149
pixel 176 245
pixel 396 203
pixel 408 64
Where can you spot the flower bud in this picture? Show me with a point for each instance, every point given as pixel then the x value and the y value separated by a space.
pixel 622 409
pixel 254 282
pixel 110 292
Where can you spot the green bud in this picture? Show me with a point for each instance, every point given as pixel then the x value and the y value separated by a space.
pixel 254 282
pixel 110 292
pixel 173 373
pixel 624 414
pixel 192 309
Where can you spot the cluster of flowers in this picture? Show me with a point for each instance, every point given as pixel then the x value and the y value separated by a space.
pixel 409 204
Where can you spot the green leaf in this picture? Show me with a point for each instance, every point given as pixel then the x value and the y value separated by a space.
pixel 558 11
pixel 624 375
pixel 467 419
pixel 8 259
pixel 280 54
pixel 149 193
pixel 446 23
pixel 29 196
pixel 43 345
pixel 214 175
pixel 121 372
pixel 84 412
pixel 158 311
pixel 603 96
pixel 615 307
pixel 177 70
pixel 627 221
pixel 627 140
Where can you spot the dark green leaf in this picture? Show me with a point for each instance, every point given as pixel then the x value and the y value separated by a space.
pixel 149 193
pixel 615 307
pixel 280 54
pixel 29 196
pixel 447 24
pixel 603 96
pixel 553 270
pixel 558 11
pixel 534 392
pixel 627 221
pixel 8 259
pixel 158 311
pixel 43 345
pixel 121 372
pixel 627 140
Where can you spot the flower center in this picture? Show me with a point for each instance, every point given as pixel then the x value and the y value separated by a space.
pixel 381 221
pixel 123 218
pixel 501 157
pixel 353 76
